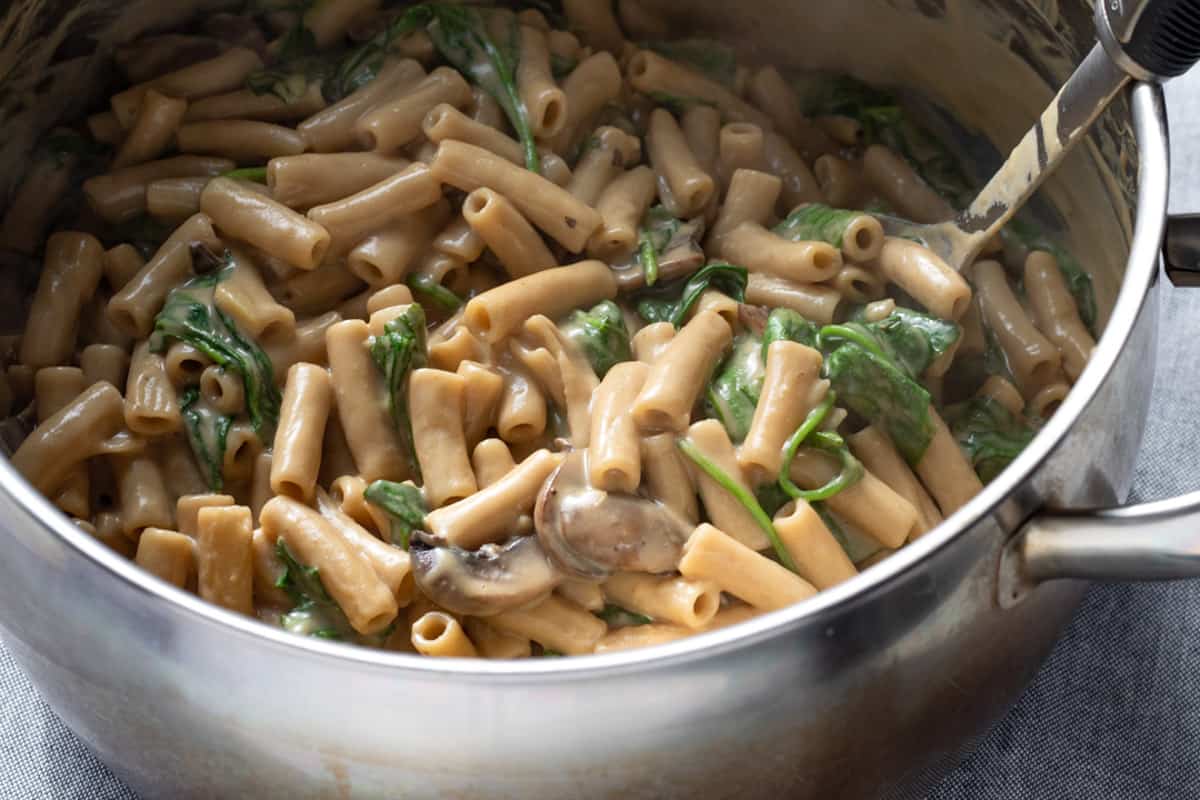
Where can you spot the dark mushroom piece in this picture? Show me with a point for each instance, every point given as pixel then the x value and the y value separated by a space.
pixel 486 581
pixel 590 533
pixel 682 256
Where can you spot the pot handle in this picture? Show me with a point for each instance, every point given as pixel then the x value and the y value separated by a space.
pixel 1146 542
pixel 1181 249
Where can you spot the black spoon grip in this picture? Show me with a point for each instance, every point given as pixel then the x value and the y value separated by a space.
pixel 1161 36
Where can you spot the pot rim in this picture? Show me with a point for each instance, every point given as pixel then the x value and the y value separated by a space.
pixel 1149 119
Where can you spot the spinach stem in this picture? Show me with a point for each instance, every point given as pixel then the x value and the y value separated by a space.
pixel 845 332
pixel 256 174
pixel 433 290
pixel 689 449
pixel 649 258
pixel 851 470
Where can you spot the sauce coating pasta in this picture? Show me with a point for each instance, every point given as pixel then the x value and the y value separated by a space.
pixel 484 339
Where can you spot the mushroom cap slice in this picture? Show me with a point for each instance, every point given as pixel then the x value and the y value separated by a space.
pixel 591 533
pixel 486 581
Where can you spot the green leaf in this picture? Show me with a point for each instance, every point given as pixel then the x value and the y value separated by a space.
pixel 656 307
pixel 733 393
pixel 397 352
pixel 256 174
pixel 816 222
pixel 362 64
pixel 314 612
pixel 403 503
pixel 659 227
pixel 884 121
pixel 600 334
pixel 207 432
pixel 466 37
pixel 618 617
pixel 788 325
pixel 433 291
pixel 190 316
pixel 562 66
pixel 143 232
pixel 911 339
pixel 1078 280
pixel 714 60
pixel 989 434
pixel 881 393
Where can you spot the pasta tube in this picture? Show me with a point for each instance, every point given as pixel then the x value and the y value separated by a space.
pixel 347 576
pixel 224 557
pixel 677 377
pixel 490 514
pixel 614 453
pixel 709 554
pixel 551 208
pixel 70 275
pixel 435 401
pixel 307 398
pixel 254 218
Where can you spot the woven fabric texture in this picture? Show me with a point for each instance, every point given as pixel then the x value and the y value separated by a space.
pixel 1113 714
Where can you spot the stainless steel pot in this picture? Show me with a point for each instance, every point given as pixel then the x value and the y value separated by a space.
pixel 868 690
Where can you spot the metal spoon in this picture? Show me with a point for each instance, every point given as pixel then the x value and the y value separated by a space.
pixel 1141 40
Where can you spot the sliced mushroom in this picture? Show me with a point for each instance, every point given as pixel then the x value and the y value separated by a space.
pixel 591 533
pixel 486 581
pixel 682 256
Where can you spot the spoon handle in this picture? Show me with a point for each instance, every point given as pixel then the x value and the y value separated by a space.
pixel 1081 99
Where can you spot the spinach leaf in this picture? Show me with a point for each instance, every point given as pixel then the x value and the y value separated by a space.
pixel 816 222
pixel 912 340
pixel 288 82
pixel 1079 281
pixel 989 434
pixel 314 612
pixel 403 503
pixel 464 37
pixel 879 391
pixel 397 352
pixel 362 64
pixel 207 432
pixel 618 617
pixel 561 66
pixel 771 497
pixel 712 59
pixel 733 394
pixel 659 227
pixel 656 307
pixel 600 334
pixel 884 121
pixel 256 174
pixel 190 316
pixel 143 232
pixel 788 325
pixel 433 291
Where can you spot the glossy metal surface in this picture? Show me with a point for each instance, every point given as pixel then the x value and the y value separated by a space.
pixel 1182 250
pixel 866 691
pixel 1080 101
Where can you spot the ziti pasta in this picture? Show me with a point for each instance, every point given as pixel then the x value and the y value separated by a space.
pixel 452 331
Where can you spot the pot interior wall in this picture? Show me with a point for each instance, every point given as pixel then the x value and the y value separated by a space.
pixel 990 63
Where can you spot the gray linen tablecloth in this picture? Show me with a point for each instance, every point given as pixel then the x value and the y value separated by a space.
pixel 1113 714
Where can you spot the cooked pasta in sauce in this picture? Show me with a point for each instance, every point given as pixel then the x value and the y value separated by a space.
pixel 474 332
